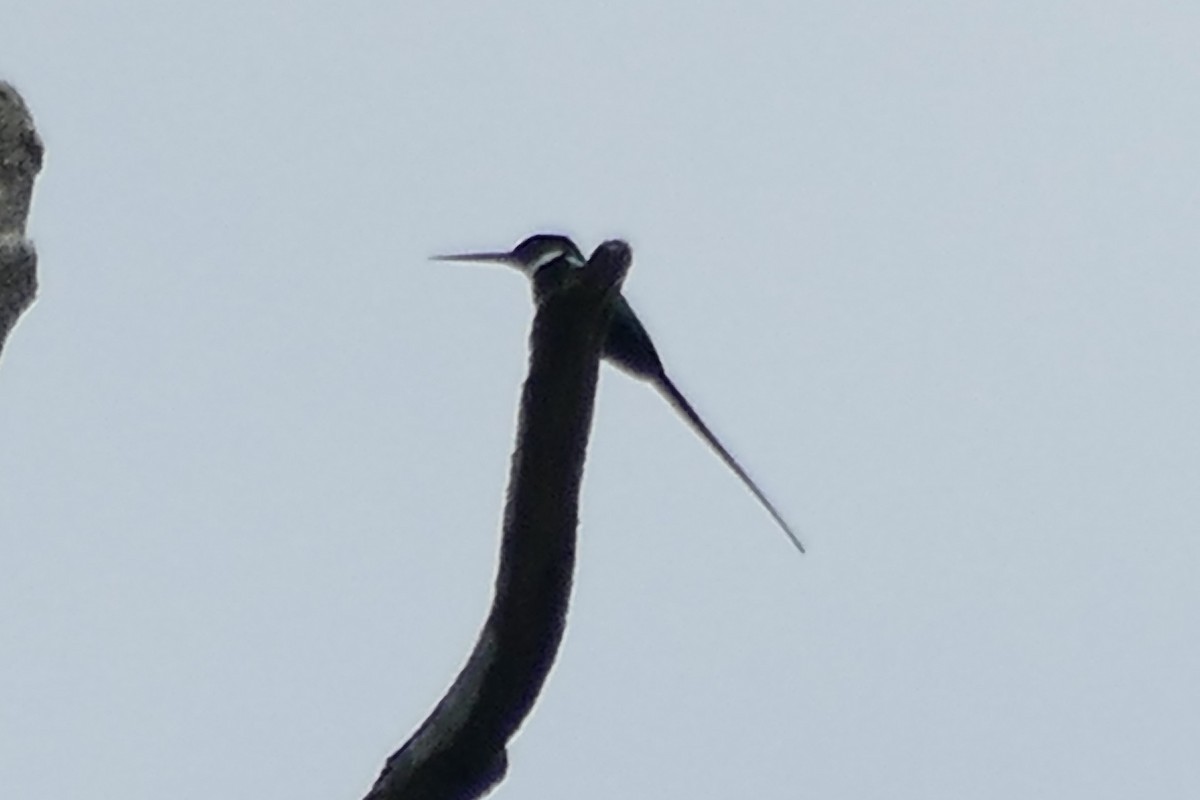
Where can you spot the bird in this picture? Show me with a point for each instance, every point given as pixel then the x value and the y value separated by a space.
pixel 627 345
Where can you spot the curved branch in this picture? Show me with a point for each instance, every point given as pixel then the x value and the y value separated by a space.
pixel 459 751
pixel 20 161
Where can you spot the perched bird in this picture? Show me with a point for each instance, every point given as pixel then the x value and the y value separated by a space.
pixel 628 346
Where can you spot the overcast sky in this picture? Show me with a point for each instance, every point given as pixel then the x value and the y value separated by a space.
pixel 930 269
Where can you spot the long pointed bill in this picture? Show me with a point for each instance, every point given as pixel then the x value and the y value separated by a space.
pixel 491 258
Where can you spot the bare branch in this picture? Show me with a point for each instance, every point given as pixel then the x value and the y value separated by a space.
pixel 20 161
pixel 459 751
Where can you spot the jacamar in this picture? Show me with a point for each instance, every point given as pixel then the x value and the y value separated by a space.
pixel 627 345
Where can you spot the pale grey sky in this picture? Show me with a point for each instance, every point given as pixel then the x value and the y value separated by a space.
pixel 930 270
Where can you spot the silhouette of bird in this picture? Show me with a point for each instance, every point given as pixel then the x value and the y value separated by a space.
pixel 627 345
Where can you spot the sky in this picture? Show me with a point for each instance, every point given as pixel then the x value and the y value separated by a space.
pixel 930 270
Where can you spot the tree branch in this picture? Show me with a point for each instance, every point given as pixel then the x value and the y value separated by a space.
pixel 20 161
pixel 459 753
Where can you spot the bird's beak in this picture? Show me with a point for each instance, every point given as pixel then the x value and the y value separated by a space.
pixel 490 258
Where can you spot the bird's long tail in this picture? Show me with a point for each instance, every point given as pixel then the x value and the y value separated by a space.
pixel 676 399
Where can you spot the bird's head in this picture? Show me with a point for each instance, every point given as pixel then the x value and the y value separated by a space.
pixel 529 256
